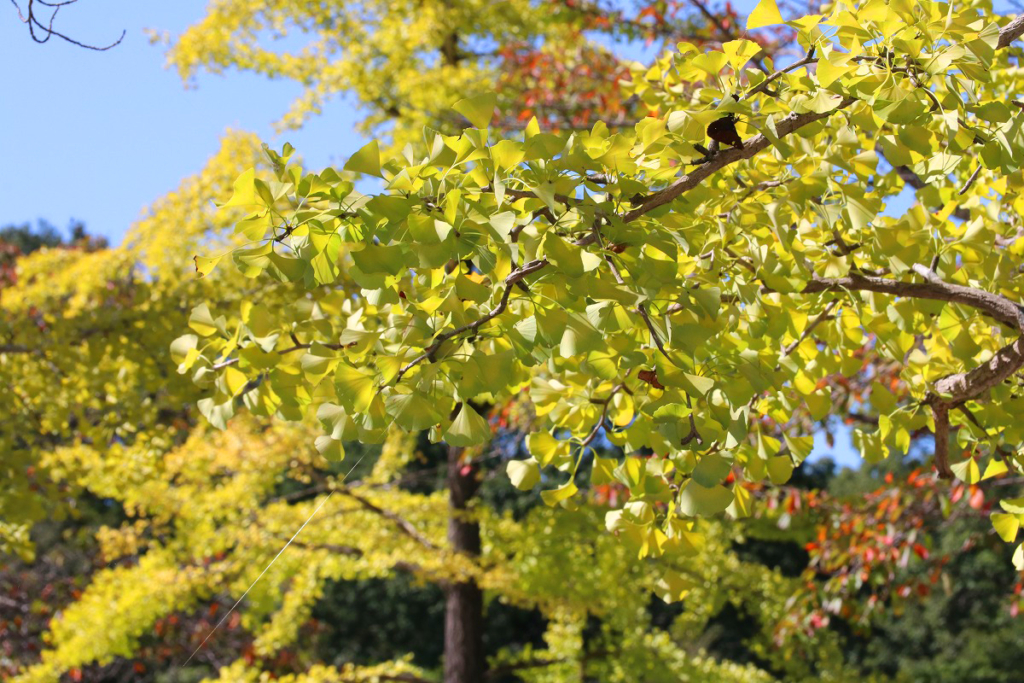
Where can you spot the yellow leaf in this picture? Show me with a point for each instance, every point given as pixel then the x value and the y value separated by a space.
pixel 205 264
pixel 245 190
pixel 1006 526
pixel 765 14
pixel 478 110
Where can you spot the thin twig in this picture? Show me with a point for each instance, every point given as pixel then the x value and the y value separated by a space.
pixel 510 282
pixel 970 181
pixel 763 85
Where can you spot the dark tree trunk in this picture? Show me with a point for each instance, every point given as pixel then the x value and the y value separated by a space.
pixel 464 606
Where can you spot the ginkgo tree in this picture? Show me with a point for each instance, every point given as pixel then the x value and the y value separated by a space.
pixel 660 291
pixel 185 576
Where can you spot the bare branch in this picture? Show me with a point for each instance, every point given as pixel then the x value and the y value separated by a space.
pixel 47 31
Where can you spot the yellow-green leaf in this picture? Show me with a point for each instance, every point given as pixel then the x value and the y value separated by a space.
pixel 366 160
pixel 478 110
pixel 524 474
pixel 1006 526
pixel 765 14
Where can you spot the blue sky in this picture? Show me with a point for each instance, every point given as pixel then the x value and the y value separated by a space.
pixel 97 136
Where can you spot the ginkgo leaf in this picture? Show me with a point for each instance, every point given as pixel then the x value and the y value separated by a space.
pixel 366 160
pixel 478 110
pixel 711 469
pixel 562 493
pixel 1006 526
pixel 206 264
pixel 766 13
pixel 412 412
pixel 331 449
pixel 468 428
pixel 523 474
pixel 355 388
pixel 244 193
pixel 702 501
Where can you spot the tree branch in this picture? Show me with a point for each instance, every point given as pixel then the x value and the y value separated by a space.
pixel 1011 32
pixel 404 525
pixel 510 282
pixel 997 307
pixel 953 390
pixel 750 148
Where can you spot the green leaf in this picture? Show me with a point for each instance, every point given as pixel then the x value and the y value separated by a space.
pixel 355 388
pixel 366 160
pixel 556 496
pixel 478 110
pixel 217 414
pixel 412 412
pixel 711 469
pixel 780 469
pixel 701 501
pixel 673 587
pixel 967 471
pixel 524 474
pixel 337 422
pixel 201 320
pixel 603 471
pixel 1013 505
pixel 545 448
pixel 331 449
pixel 468 428
pixel 564 256
pixel 799 446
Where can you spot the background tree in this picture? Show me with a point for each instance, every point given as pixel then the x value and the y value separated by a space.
pixel 403 64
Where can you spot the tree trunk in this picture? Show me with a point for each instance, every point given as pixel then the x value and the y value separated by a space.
pixel 464 604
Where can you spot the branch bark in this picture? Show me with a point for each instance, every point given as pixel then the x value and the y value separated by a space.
pixel 1011 32
pixel 953 390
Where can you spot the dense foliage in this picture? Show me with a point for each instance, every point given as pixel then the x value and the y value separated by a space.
pixel 565 284
pixel 660 306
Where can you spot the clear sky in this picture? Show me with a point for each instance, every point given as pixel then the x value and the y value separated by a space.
pixel 97 136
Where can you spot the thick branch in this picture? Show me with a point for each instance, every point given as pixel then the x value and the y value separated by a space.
pixel 952 390
pixel 1011 32
pixel 965 386
pixel 995 306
